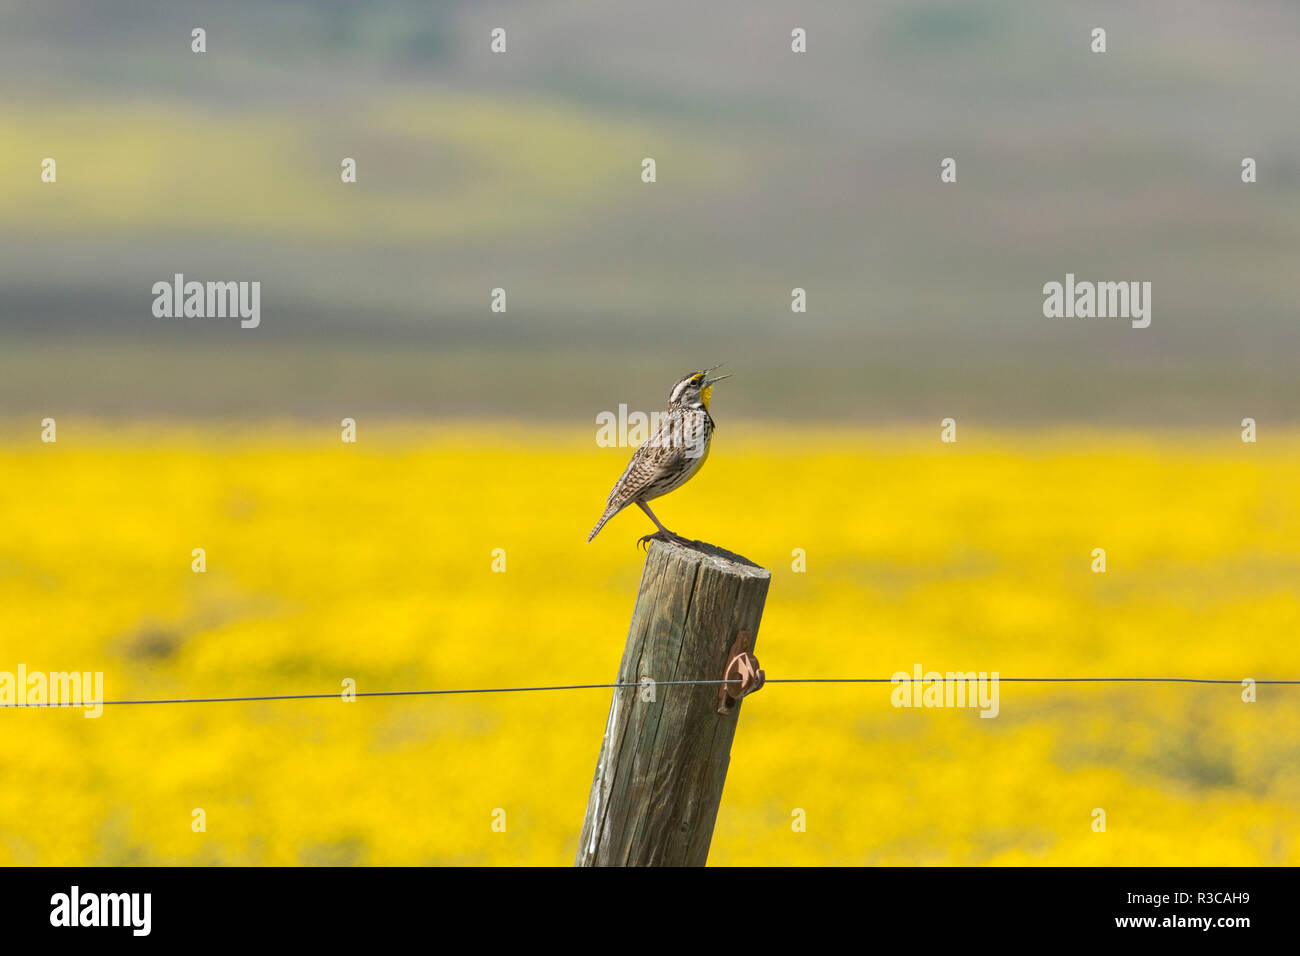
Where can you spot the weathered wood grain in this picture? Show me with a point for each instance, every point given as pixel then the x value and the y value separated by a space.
pixel 662 764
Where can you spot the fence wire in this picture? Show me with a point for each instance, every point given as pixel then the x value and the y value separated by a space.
pixel 663 683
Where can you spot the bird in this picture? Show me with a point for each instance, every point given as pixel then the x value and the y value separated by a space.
pixel 670 456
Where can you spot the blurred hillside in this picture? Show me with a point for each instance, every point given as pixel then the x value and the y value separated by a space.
pixel 775 170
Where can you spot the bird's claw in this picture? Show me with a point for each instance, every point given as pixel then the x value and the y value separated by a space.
pixel 666 536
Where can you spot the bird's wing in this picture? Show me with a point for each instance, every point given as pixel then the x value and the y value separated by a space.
pixel 663 453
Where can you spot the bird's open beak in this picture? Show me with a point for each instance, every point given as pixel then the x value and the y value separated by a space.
pixel 710 381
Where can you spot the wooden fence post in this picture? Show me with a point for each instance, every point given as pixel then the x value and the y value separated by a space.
pixel 663 762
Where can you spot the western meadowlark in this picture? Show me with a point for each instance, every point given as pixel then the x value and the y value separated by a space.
pixel 670 456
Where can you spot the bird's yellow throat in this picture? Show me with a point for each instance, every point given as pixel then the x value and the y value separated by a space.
pixel 706 393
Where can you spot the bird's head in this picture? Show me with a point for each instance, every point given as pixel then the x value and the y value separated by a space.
pixel 694 390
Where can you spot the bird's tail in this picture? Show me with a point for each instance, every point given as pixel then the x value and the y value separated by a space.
pixel 609 513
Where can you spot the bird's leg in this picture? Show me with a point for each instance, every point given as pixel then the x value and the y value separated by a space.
pixel 664 534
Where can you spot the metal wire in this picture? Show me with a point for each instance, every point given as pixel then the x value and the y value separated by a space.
pixel 662 683
pixel 1031 680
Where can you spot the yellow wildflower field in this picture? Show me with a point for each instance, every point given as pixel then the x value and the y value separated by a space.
pixel 373 562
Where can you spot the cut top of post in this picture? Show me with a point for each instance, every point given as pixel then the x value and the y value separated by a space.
pixel 701 552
